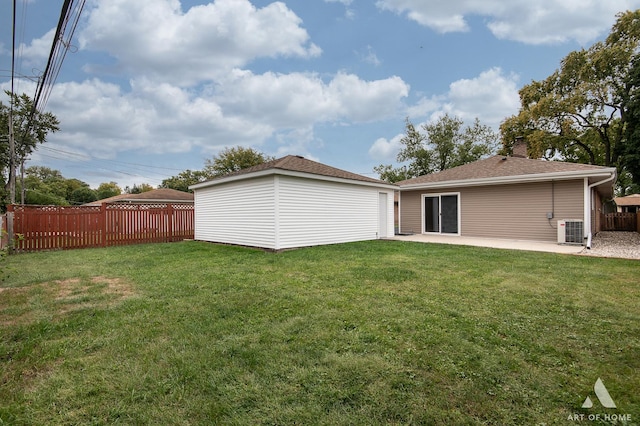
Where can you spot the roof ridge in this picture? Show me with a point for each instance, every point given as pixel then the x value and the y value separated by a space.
pixel 501 166
pixel 300 164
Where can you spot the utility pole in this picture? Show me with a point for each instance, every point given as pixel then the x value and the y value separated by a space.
pixel 12 179
pixel 12 141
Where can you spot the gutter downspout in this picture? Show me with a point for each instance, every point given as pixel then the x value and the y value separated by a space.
pixel 399 211
pixel 588 207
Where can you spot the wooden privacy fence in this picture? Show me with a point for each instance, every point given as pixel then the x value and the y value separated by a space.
pixel 56 227
pixel 620 222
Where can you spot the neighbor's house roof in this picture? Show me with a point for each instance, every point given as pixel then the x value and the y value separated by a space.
pixel 629 200
pixel 162 195
pixel 501 169
pixel 294 165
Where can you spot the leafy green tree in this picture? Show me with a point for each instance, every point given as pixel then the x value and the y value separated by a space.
pixel 578 113
pixel 107 190
pixel 392 174
pixel 631 154
pixel 44 185
pixel 184 179
pixel 625 184
pixel 74 185
pixel 233 159
pixel 444 144
pixel 40 197
pixel 29 127
pixel 83 195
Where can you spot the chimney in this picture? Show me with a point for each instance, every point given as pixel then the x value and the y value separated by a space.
pixel 519 148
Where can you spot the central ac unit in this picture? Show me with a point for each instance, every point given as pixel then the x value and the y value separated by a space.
pixel 570 231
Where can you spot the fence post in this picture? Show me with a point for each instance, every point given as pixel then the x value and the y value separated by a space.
pixel 10 234
pixel 170 223
pixel 103 225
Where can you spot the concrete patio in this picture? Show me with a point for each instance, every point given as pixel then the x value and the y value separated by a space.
pixel 544 246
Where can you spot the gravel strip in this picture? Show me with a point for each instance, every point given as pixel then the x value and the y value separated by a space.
pixel 615 244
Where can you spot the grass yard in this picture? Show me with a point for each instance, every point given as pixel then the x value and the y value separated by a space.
pixel 381 332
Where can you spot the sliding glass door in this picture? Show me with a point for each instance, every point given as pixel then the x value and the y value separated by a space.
pixel 441 213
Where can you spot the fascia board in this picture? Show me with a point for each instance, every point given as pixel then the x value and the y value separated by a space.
pixel 336 179
pixel 231 179
pixel 292 173
pixel 500 180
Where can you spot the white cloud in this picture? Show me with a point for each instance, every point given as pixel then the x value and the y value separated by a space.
pixel 190 92
pixel 491 96
pixel 349 13
pixel 39 48
pixel 157 38
pixel 345 2
pixel 369 56
pixel 297 142
pixel 537 22
pixel 425 106
pixel 247 109
pixel 298 100
pixel 100 118
pixel 384 150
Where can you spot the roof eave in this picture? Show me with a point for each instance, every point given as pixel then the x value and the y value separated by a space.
pixel 284 172
pixel 501 180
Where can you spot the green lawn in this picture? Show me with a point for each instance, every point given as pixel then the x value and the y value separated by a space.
pixel 380 332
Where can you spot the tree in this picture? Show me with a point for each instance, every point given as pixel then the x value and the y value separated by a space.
pixel 43 185
pixel 74 185
pixel 445 144
pixel 107 190
pixel 631 154
pixel 233 159
pixel 138 189
pixel 46 186
pixel 83 195
pixel 390 174
pixel 183 180
pixel 30 127
pixel 578 113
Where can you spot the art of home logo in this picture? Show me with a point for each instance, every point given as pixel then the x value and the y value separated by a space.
pixel 605 400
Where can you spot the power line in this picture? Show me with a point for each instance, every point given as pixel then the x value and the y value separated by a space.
pixel 69 13
pixel 77 165
pixel 83 156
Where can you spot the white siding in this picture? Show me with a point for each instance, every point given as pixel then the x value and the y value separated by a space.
pixel 315 212
pixel 240 213
pixel 279 212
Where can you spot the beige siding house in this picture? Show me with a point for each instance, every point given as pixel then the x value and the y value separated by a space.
pixel 505 197
pixel 292 202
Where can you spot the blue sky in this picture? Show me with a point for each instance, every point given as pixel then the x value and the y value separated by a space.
pixel 153 87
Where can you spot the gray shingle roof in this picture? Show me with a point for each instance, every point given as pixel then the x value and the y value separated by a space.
pixel 500 166
pixel 296 163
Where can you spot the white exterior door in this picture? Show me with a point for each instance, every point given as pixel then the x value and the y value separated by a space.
pixel 382 215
